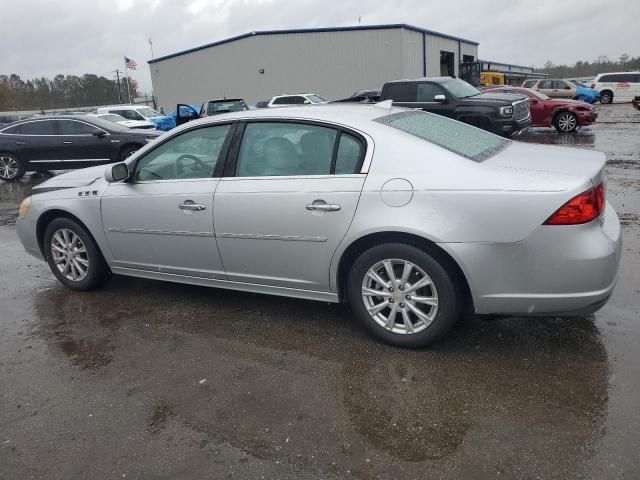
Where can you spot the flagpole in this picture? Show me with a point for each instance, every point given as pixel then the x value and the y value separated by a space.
pixel 127 75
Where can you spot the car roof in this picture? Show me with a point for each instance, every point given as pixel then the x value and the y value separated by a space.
pixel 226 100
pixel 617 73
pixel 56 117
pixel 423 79
pixel 123 107
pixel 354 115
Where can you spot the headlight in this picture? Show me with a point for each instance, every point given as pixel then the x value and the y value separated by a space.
pixel 24 207
pixel 506 111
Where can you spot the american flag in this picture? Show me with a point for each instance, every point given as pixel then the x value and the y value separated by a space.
pixel 130 63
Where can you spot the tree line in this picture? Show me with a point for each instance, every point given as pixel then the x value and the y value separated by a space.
pixel 61 91
pixel 602 64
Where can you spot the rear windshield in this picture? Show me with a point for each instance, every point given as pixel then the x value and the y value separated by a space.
pixel 224 107
pixel 457 137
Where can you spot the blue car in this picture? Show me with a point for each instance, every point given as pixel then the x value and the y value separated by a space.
pixel 585 93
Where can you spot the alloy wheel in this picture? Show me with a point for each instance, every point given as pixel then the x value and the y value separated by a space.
pixel 400 296
pixel 567 122
pixel 8 167
pixel 69 255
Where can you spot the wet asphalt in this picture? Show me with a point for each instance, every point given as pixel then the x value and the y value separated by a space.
pixel 152 380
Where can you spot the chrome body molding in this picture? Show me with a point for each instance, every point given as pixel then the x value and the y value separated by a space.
pixel 161 232
pixel 289 238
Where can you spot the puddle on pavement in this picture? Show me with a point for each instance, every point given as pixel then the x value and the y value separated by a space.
pixel 12 194
pixel 515 382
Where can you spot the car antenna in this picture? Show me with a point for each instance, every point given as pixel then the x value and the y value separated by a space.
pixel 386 104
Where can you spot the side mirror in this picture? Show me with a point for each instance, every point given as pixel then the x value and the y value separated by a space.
pixel 116 173
pixel 440 99
pixel 307 102
pixel 98 133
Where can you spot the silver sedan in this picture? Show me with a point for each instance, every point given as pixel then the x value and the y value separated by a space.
pixel 408 216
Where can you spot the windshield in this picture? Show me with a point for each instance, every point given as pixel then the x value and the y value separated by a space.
pixel 223 107
pixel 316 99
pixel 457 137
pixel 460 88
pixel 148 112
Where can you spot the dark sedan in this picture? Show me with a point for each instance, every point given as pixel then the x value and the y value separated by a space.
pixel 65 142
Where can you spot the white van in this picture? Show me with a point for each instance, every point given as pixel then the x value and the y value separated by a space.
pixel 620 86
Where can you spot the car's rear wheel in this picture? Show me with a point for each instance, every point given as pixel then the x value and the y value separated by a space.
pixel 73 256
pixel 11 168
pixel 606 96
pixel 402 295
pixel 566 122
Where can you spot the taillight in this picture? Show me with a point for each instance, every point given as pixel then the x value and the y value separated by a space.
pixel 582 208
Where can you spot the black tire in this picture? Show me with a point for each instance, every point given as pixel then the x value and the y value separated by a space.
pixel 11 167
pixel 97 270
pixel 566 122
pixel 129 150
pixel 448 297
pixel 606 97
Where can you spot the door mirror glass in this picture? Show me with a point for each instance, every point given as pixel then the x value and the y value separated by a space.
pixel 440 98
pixel 116 172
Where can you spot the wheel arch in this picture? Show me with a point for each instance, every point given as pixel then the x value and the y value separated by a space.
pixel 358 246
pixel 48 216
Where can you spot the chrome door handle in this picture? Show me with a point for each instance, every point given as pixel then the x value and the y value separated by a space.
pixel 189 205
pixel 67 142
pixel 323 207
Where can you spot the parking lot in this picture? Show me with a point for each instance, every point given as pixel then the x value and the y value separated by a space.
pixel 146 379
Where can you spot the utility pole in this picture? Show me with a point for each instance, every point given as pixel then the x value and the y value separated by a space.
pixel 118 80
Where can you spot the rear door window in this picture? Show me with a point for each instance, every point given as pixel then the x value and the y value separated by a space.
pixel 401 92
pixel 457 137
pixel 291 100
pixel 40 127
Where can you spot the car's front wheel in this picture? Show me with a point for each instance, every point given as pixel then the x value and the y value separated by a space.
pixel 402 295
pixel 11 168
pixel 566 122
pixel 73 256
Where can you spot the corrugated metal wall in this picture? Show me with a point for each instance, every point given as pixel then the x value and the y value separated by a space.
pixel 332 64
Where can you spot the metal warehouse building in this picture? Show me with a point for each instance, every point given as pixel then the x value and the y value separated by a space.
pixel 333 62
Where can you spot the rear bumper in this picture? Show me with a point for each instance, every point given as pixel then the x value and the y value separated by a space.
pixel 558 270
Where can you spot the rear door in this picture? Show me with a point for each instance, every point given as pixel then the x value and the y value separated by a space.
pixel 547 87
pixel 564 89
pixel 37 142
pixel 286 202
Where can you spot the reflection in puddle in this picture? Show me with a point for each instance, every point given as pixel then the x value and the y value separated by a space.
pixel 296 367
pixel 12 194
pixel 585 137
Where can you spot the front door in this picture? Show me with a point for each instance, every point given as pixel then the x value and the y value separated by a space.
pixel 288 202
pixel 81 146
pixel 161 220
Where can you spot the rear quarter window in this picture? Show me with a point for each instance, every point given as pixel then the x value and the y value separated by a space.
pixel 457 137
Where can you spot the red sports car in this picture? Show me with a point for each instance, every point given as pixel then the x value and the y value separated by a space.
pixel 563 114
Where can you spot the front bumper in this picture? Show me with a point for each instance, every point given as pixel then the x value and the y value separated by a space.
pixel 508 126
pixel 557 270
pixel 587 118
pixel 26 228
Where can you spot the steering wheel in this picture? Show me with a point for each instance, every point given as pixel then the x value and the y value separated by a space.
pixel 197 165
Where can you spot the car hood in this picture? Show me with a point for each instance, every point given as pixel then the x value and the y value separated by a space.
pixel 572 103
pixel 75 178
pixel 495 98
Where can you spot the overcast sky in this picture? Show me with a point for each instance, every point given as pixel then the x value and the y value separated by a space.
pixel 45 37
